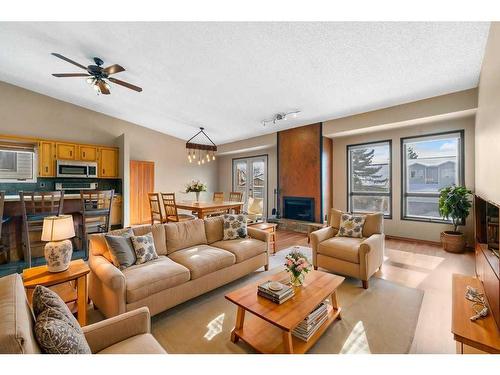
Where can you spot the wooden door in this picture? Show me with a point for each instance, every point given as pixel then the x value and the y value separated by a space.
pixel 46 159
pixel 142 182
pixel 108 162
pixel 88 153
pixel 66 151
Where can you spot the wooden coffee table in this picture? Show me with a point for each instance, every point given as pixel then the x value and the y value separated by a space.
pixel 268 328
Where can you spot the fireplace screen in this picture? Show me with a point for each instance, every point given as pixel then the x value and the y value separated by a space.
pixel 298 208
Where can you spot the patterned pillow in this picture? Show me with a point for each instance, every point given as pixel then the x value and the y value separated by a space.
pixel 56 329
pixel 351 225
pixel 144 247
pixel 235 226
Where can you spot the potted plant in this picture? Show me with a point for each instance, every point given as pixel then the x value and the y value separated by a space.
pixel 454 204
pixel 195 186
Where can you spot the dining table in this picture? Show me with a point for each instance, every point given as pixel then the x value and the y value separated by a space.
pixel 203 209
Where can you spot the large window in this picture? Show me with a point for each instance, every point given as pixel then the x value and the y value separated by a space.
pixel 429 163
pixel 369 177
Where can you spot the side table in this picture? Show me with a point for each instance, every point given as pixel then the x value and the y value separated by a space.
pixel 271 229
pixel 76 272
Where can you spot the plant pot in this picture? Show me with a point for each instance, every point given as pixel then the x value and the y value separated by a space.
pixel 453 242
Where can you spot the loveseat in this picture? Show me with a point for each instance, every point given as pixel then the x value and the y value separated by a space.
pixel 193 259
pixel 124 334
pixel 355 257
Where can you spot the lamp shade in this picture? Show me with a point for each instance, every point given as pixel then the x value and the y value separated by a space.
pixel 58 228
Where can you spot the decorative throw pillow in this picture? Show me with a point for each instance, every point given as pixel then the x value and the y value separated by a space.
pixel 144 247
pixel 121 249
pixel 235 226
pixel 56 329
pixel 351 226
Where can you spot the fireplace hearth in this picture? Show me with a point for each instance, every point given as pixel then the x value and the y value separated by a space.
pixel 298 208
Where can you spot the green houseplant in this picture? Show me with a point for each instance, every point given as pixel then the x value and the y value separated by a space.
pixel 454 204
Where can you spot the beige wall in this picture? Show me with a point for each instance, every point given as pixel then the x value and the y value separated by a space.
pixel 263 145
pixel 395 226
pixel 26 113
pixel 488 121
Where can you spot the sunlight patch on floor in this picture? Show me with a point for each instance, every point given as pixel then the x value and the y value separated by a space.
pixel 428 262
pixel 214 327
pixel 357 342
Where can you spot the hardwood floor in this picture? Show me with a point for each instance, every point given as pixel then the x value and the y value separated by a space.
pixel 421 266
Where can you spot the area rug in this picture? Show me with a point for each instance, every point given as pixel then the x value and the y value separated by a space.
pixel 381 319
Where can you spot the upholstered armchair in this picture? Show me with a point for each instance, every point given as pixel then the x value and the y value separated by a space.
pixel 355 257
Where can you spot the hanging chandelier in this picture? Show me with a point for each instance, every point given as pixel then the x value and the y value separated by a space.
pixel 201 152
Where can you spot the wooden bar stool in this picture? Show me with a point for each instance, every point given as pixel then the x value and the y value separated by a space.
pixel 95 213
pixel 4 248
pixel 155 208
pixel 35 207
pixel 171 213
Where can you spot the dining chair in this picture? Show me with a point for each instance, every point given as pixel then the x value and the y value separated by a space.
pixel 218 196
pixel 95 212
pixel 236 196
pixel 155 208
pixel 35 206
pixel 171 212
pixel 4 248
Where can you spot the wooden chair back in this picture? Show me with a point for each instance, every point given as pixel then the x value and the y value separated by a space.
pixel 219 196
pixel 43 203
pixel 170 207
pixel 236 196
pixel 97 204
pixel 155 208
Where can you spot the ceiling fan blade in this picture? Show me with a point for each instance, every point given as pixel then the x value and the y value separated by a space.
pixel 102 87
pixel 71 75
pixel 69 60
pixel 112 69
pixel 125 84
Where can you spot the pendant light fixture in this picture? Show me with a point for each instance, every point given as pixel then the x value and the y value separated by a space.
pixel 200 152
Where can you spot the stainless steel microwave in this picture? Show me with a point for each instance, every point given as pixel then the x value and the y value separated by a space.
pixel 76 169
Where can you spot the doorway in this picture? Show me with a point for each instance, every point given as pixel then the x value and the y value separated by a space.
pixel 254 189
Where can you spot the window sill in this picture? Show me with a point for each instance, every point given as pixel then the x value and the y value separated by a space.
pixel 422 220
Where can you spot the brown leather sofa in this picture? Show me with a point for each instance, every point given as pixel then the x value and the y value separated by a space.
pixel 193 259
pixel 355 257
pixel 124 334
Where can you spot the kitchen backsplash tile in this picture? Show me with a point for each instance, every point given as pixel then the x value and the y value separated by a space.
pixel 48 184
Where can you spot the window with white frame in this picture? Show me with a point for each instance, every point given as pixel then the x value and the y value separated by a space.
pixel 429 163
pixel 17 163
pixel 369 178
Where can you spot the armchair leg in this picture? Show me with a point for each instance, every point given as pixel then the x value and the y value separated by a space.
pixel 316 268
pixel 266 267
pixel 365 284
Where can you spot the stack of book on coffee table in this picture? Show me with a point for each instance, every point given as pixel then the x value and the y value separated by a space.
pixel 275 291
pixel 312 322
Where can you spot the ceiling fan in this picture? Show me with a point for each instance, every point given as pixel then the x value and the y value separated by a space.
pixel 280 116
pixel 97 75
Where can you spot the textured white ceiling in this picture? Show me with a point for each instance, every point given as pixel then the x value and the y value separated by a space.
pixel 230 76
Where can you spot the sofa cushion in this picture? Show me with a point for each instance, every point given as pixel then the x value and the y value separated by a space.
pixel 203 259
pixel 243 248
pixel 148 278
pixel 235 226
pixel 16 319
pixel 144 247
pixel 185 234
pixel 345 248
pixel 138 344
pixel 121 249
pixel 214 228
pixel 159 236
pixel 98 243
pixel 374 223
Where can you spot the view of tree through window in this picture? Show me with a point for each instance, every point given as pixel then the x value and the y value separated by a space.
pixel 429 164
pixel 370 177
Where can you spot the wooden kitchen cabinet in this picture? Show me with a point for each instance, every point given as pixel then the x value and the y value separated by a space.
pixel 66 151
pixel 108 162
pixel 46 159
pixel 87 153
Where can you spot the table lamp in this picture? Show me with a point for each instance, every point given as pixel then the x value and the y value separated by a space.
pixel 57 230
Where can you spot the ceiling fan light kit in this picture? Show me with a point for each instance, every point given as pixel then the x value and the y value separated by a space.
pixel 200 152
pixel 97 75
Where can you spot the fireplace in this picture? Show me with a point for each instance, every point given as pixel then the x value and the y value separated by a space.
pixel 298 208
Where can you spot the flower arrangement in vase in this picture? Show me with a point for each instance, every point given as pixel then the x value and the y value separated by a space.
pixel 297 265
pixel 195 186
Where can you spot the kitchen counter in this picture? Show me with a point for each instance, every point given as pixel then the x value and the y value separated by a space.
pixel 16 198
